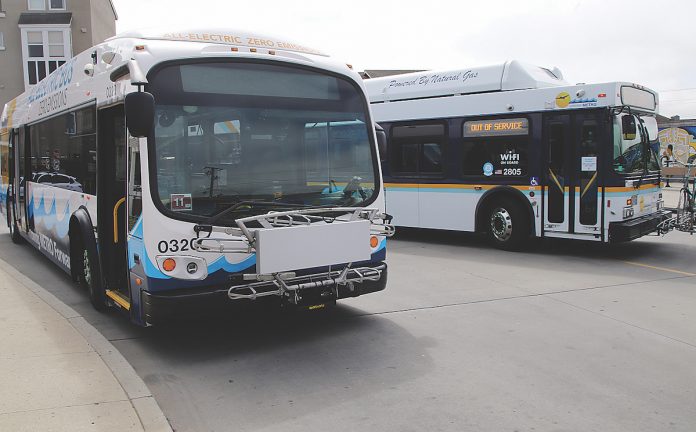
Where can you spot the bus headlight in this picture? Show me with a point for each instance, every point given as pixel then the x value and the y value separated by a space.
pixel 628 212
pixel 182 266
pixel 660 204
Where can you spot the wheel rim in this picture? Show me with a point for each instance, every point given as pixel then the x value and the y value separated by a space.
pixel 501 224
pixel 86 269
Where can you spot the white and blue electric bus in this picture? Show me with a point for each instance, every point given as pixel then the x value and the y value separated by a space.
pixel 164 169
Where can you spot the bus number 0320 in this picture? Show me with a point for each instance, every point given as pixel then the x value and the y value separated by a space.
pixel 175 245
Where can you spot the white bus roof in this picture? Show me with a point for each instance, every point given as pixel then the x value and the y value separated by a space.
pixel 511 75
pixel 219 36
pixel 511 87
pixel 89 76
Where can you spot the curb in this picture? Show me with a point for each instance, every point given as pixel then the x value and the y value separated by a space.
pixel 150 414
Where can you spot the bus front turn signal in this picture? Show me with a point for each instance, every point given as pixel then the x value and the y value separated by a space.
pixel 169 265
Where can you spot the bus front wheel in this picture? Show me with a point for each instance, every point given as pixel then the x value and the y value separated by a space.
pixel 508 225
pixel 89 279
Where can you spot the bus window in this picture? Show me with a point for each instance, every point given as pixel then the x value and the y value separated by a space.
pixel 557 175
pixel 5 156
pixel 508 157
pixel 628 149
pixel 135 193
pixel 588 178
pixel 416 150
pixel 501 143
pixel 64 151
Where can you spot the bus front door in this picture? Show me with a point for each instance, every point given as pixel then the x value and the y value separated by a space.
pixel 557 181
pixel 587 182
pixel 111 202
pixel 572 192
pixel 21 174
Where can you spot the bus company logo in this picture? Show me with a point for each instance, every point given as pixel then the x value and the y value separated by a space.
pixel 587 102
pixel 563 100
pixel 488 169
pixel 56 81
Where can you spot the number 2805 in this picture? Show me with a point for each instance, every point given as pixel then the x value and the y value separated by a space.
pixel 175 245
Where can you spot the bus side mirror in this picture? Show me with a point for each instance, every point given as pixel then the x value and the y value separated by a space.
pixel 628 127
pixel 140 113
pixel 381 142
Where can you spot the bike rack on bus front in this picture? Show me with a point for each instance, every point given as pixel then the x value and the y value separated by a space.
pixel 242 239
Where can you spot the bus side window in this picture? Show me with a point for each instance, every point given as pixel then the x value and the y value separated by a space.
pixel 66 145
pixel 495 148
pixel 4 157
pixel 134 189
pixel 416 150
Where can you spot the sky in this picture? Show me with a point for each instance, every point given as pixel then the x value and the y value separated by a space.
pixel 652 43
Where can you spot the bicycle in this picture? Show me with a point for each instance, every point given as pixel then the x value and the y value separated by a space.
pixel 686 208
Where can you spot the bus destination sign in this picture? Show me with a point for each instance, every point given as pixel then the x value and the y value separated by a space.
pixel 503 127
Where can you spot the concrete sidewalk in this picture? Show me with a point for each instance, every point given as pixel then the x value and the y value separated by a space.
pixel 57 373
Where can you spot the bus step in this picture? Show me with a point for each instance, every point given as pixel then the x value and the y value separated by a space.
pixel 118 298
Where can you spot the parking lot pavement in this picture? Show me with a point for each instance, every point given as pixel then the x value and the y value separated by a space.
pixel 564 336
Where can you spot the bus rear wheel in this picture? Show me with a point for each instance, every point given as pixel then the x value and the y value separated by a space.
pixel 508 225
pixel 12 224
pixel 88 278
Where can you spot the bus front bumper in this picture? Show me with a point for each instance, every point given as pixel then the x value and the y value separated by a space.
pixel 635 228
pixel 161 306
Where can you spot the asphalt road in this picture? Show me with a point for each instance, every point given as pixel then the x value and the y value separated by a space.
pixel 566 336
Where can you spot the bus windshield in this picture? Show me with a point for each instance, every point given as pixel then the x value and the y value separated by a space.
pixel 629 150
pixel 230 133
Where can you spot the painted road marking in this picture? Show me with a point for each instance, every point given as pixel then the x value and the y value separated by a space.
pixel 683 273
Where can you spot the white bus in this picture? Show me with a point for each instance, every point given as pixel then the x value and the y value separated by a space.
pixel 164 169
pixel 515 151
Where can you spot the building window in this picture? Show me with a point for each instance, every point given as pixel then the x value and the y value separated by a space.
pixel 37 4
pixel 56 4
pixel 44 51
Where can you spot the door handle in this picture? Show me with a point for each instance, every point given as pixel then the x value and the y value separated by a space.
pixel 119 203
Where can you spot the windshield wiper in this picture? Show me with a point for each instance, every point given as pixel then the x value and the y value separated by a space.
pixel 251 203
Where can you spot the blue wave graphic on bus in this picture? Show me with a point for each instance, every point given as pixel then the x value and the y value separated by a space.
pixel 222 264
pixel 3 198
pixel 49 218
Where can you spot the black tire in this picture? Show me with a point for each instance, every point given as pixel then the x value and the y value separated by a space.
pixel 88 276
pixel 12 224
pixel 507 225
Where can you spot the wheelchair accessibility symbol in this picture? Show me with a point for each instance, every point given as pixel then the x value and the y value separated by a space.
pixel 534 181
